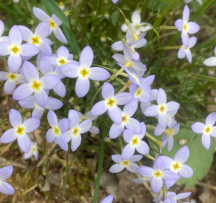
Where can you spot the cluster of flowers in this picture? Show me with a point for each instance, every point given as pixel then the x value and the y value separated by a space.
pixel 186 28
pixel 36 82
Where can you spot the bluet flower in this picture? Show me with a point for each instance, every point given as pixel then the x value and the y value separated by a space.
pixel 110 103
pixel 135 142
pixel 35 85
pixel 186 50
pixel 206 129
pixel 137 24
pixel 20 130
pixel 15 49
pixel 162 109
pixel 186 27
pixel 55 134
pixel 54 23
pixel 127 61
pixel 173 197
pixel 76 129
pixel 128 122
pixel 32 152
pixel 84 72
pixel 122 164
pixel 158 174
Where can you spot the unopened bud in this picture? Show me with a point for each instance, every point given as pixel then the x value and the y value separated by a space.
pixel 106 139
pixel 103 38
pixel 77 108
pixel 106 15
pixel 182 142
pixel 71 100
pixel 96 83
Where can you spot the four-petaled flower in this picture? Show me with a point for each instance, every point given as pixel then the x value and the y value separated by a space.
pixel 206 129
pixel 55 134
pixel 32 152
pixel 122 164
pixel 84 72
pixel 20 130
pixel 110 103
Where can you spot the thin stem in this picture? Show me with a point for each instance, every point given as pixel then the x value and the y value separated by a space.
pixel 125 87
pixel 157 142
pixel 165 27
pixel 149 157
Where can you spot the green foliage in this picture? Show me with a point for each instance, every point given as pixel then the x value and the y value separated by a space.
pixel 199 159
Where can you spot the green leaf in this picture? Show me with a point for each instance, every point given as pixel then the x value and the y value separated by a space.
pixel 54 8
pixel 202 9
pixel 199 159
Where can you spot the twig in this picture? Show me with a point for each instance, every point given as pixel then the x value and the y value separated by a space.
pixel 206 185
pixel 30 189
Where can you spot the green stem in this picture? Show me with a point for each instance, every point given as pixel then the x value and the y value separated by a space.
pixel 157 142
pixel 165 27
pixel 99 170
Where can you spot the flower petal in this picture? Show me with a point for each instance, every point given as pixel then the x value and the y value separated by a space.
pixel 198 127
pixel 42 30
pixel 6 172
pixel 127 53
pixel 30 72
pixel 156 184
pixel 182 195
pixel 74 118
pixel 15 118
pixel 119 58
pixel 189 55
pixel 151 111
pixel 161 97
pixel 107 91
pixel 186 14
pixel 86 57
pixel 4 49
pixel 75 143
pixel 163 120
pixel 108 199
pixel 127 152
pixel 29 50
pixel 115 114
pixel 192 28
pixel 59 35
pixel 117 46
pixel 159 164
pixel 182 154
pixel 134 125
pixel 52 118
pixel 60 89
pixel 145 171
pixel 9 86
pixel 131 107
pixel 186 171
pixel 70 70
pixel 6 188
pixel 8 136
pixel 181 52
pixel 31 124
pixel 211 119
pixel 53 104
pixel 50 137
pixel 116 168
pixel 211 61
pixel 179 24
pixel 99 108
pixel 24 143
pixel 26 33
pixel 206 139
pixel 14 62
pixel 82 87
pixel 63 52
pixel 64 124
pixel 22 92
pixel 38 112
pixel 85 126
pixel 40 14
pixel 41 98
pixel 123 98
pixel 115 131
pixel 142 148
pixel 15 35
pixel 61 141
pixel 98 74
pixel 132 167
pixel 50 81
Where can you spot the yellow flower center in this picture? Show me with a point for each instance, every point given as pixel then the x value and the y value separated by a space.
pixel 131 50
pixel 162 108
pixel 52 24
pixel 169 132
pixel 33 149
pixel 83 119
pixel 36 85
pixel 56 130
pixel 125 163
pixel 134 141
pixel 84 72
pixel 157 174
pixel 185 27
pixel 138 92
pixel 124 119
pixel 176 166
pixel 12 76
pixel 207 129
pixel 61 4
pixel 35 40
pixel 110 102
pixel 137 26
pixel 128 64
pixel 62 62
pixel 15 49
pixel 75 131
pixel 19 130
